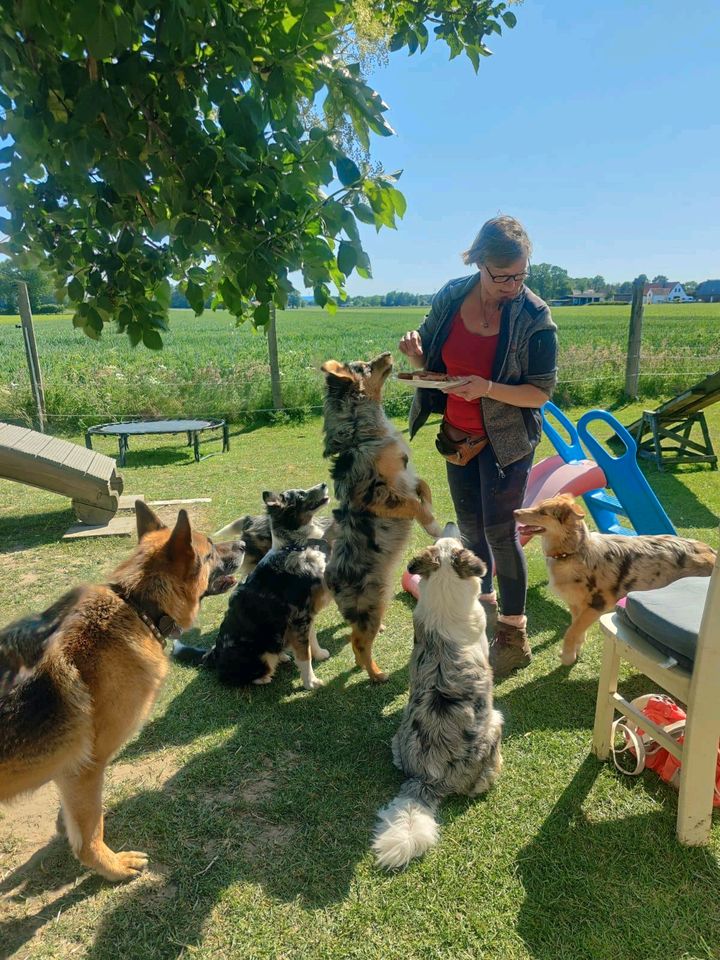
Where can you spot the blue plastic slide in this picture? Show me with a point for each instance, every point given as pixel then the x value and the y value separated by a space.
pixel 632 497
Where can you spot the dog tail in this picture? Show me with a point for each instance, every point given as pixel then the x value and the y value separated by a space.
pixel 407 827
pixel 234 529
pixel 193 656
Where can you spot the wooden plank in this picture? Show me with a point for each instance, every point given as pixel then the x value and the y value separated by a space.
pixel 79 459
pixel 172 503
pixel 100 466
pixel 127 500
pixel 32 443
pixel 12 433
pixel 118 526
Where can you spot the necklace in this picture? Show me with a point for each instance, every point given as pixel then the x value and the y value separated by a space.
pixel 485 320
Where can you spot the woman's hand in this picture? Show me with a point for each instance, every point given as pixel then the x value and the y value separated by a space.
pixel 411 345
pixel 470 389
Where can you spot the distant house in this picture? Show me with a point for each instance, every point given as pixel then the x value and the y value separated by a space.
pixel 581 297
pixel 708 291
pixel 664 293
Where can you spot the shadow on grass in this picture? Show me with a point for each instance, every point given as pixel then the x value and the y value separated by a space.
pixel 286 802
pixel 681 504
pixel 34 529
pixel 556 701
pixel 206 705
pixel 616 887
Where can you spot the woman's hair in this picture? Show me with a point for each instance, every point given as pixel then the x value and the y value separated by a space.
pixel 501 240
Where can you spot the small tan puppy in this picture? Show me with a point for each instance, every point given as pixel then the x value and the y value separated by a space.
pixel 592 571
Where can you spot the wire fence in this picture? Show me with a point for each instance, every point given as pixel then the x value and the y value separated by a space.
pixel 611 383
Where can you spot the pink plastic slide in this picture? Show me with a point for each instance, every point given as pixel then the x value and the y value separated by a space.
pixel 548 478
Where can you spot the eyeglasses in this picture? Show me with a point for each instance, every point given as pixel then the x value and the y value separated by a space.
pixel 507 277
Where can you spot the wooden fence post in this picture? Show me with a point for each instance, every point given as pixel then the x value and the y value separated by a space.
pixel 632 363
pixel 277 400
pixel 31 353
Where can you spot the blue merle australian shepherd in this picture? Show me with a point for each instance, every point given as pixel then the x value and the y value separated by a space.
pixel 274 610
pixel 449 736
pixel 380 495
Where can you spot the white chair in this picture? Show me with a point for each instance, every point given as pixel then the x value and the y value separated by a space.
pixel 698 689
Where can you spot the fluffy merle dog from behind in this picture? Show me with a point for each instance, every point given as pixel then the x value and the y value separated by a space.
pixel 449 736
pixel 275 608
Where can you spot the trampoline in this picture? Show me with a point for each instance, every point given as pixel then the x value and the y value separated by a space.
pixel 136 428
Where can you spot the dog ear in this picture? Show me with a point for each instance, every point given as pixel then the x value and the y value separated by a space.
pixel 147 520
pixel 336 369
pixel 180 543
pixel 577 509
pixel 424 563
pixel 271 499
pixel 466 564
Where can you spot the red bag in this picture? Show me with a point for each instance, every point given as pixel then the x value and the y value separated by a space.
pixel 647 752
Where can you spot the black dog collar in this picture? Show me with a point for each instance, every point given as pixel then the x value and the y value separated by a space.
pixel 160 625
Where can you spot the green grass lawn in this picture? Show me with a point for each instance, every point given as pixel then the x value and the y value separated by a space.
pixel 210 367
pixel 256 806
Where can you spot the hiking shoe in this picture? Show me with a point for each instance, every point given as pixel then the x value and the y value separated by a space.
pixel 509 649
pixel 491 614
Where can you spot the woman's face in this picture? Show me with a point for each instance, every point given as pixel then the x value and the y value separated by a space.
pixel 504 281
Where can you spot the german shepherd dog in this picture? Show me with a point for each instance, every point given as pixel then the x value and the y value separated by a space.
pixel 449 736
pixel 82 677
pixel 380 495
pixel 592 571
pixel 275 607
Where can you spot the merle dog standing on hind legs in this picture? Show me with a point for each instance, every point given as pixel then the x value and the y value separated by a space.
pixel 380 495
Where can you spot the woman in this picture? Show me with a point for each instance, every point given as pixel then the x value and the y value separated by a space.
pixel 495 334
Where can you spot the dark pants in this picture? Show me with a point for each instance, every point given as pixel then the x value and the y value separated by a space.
pixel 484 503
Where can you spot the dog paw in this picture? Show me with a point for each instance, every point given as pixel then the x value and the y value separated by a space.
pixel 379 677
pixel 314 684
pixel 284 658
pixel 262 680
pixel 568 657
pixel 382 628
pixel 124 866
pixel 321 654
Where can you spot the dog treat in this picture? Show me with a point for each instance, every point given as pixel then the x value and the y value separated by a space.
pixel 425 375
pixel 426 378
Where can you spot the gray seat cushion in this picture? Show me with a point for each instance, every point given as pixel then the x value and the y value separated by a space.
pixel 669 617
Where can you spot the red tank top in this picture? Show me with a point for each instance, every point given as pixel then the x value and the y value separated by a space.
pixel 465 353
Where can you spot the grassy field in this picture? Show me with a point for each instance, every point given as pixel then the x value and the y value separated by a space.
pixel 256 806
pixel 211 367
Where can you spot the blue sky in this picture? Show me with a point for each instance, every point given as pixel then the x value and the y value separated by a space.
pixel 596 124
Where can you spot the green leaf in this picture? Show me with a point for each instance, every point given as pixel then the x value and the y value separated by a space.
pixel 347 171
pixel 363 212
pixel 104 214
pixel 100 34
pixel 75 290
pixel 509 18
pixel 261 315
pixel 152 339
pixel 288 22
pixel 398 200
pixel 346 258
pixel 196 296
pixel 93 320
pixel 125 241
pixel 134 332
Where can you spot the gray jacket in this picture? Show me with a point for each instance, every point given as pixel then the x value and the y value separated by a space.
pixel 526 353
